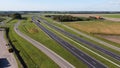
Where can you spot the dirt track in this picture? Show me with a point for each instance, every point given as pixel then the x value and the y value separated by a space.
pixel 7 60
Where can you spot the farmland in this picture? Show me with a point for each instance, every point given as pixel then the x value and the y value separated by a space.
pixel 103 15
pixel 100 27
pixel 97 28
pixel 112 38
pixel 60 26
pixel 112 15
pixel 60 34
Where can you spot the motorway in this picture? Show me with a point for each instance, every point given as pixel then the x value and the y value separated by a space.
pixel 78 39
pixel 92 63
pixel 56 58
pixel 94 39
pixel 91 37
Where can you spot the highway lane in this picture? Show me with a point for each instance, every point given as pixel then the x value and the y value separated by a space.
pixel 92 63
pixel 93 38
pixel 56 58
pixel 78 39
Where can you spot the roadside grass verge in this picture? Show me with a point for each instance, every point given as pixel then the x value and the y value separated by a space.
pixel 110 65
pixel 50 43
pixel 66 29
pixel 32 56
pixel 84 31
pixel 5 36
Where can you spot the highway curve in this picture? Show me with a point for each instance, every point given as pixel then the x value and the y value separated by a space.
pixel 56 58
pixel 92 63
pixel 78 39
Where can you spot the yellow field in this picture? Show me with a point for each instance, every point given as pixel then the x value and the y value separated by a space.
pixel 104 27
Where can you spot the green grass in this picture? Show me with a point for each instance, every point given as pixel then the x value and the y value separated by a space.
pixel 99 30
pixel 18 62
pixel 48 42
pixel 110 65
pixel 32 56
pixel 112 15
pixel 61 26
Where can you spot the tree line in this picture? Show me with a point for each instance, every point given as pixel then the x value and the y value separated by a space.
pixel 68 18
pixel 13 15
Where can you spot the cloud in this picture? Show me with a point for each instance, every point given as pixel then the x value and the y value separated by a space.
pixel 114 2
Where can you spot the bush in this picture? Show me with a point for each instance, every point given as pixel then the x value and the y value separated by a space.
pixel 17 16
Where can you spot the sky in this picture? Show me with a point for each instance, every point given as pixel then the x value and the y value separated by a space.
pixel 60 5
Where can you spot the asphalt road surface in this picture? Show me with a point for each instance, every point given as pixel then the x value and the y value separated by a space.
pixel 7 60
pixel 56 58
pixel 78 39
pixel 92 63
pixel 94 39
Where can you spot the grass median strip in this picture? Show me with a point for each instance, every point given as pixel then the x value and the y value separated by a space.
pixel 104 27
pixel 33 57
pixel 103 58
pixel 41 37
pixel 66 29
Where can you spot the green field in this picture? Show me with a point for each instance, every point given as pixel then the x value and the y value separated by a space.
pixel 63 27
pixel 33 57
pixel 41 37
pixel 111 15
pixel 87 51
pixel 30 53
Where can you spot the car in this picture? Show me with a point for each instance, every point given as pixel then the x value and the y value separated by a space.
pixel 38 20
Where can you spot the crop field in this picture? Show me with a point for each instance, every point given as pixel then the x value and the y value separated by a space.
pixel 100 27
pixel 103 15
pixel 83 49
pixel 71 31
pixel 60 34
pixel 60 26
pixel 112 15
pixel 113 38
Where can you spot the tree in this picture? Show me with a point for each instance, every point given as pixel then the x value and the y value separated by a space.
pixel 17 16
